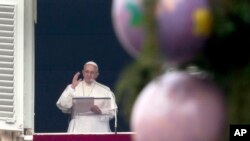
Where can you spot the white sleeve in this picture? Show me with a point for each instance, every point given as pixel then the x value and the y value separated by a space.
pixel 64 102
pixel 113 107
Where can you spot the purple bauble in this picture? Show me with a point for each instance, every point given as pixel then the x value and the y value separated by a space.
pixel 179 107
pixel 182 27
pixel 127 21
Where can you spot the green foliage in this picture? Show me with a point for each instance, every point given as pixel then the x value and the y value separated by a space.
pixel 131 82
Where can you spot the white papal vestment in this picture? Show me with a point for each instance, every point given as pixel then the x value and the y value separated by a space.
pixel 92 122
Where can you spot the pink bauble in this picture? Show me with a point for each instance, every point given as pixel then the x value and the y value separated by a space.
pixel 182 27
pixel 179 107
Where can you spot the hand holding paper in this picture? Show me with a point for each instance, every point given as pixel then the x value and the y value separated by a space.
pixel 96 109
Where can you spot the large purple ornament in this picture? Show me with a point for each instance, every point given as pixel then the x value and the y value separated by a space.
pixel 182 27
pixel 179 107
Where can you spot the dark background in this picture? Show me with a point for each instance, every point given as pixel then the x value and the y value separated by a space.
pixel 67 34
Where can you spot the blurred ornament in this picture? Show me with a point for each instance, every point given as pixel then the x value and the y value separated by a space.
pixel 127 20
pixel 182 27
pixel 179 106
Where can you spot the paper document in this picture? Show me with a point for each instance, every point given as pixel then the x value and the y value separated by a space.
pixel 82 105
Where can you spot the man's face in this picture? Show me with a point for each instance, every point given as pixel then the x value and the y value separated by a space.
pixel 89 73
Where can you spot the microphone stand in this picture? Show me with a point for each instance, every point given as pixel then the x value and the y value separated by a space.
pixel 115 121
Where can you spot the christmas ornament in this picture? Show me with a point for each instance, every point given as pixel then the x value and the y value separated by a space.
pixel 179 106
pixel 182 27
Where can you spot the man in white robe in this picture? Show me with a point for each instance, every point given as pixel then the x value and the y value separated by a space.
pixel 98 121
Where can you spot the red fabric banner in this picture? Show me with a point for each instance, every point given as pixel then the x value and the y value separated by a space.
pixel 83 137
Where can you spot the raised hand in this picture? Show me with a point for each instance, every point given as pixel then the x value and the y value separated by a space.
pixel 75 80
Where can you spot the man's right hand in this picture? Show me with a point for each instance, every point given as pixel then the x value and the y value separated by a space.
pixel 75 80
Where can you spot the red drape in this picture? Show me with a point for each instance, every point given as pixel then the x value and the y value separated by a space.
pixel 83 137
